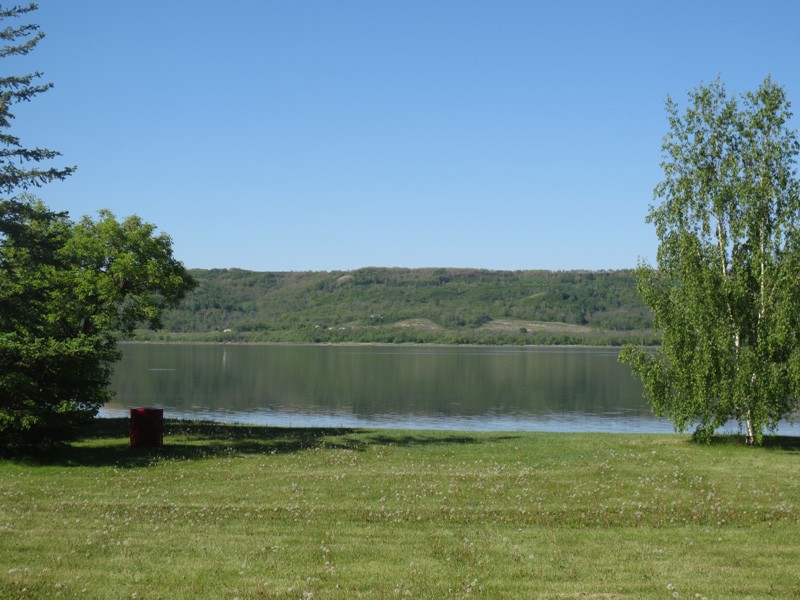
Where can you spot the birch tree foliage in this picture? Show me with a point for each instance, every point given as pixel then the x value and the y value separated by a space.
pixel 726 289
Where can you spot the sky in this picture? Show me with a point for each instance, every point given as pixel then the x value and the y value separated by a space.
pixel 306 135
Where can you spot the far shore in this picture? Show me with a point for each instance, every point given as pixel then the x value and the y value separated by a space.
pixel 375 344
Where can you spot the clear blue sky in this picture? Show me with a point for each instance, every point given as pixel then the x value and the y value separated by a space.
pixel 323 135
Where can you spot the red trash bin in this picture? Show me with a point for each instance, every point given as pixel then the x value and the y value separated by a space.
pixel 147 428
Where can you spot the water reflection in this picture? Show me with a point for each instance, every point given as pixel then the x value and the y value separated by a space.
pixel 548 389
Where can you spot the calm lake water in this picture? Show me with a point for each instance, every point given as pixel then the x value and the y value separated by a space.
pixel 419 387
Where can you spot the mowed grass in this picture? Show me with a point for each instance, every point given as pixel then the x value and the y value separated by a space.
pixel 251 512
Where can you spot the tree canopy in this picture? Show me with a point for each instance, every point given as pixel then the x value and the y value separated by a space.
pixel 68 289
pixel 725 291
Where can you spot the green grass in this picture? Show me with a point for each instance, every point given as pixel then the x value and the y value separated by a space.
pixel 257 512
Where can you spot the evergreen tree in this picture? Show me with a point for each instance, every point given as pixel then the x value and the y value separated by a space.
pixel 19 168
pixel 67 290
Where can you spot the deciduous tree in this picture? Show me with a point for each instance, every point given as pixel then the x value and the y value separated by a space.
pixel 726 288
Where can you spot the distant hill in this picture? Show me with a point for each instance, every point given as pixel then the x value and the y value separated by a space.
pixel 452 306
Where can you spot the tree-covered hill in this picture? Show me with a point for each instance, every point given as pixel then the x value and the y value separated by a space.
pixel 411 305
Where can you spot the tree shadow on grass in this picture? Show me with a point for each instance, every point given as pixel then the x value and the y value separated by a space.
pixel 785 443
pixel 782 442
pixel 383 439
pixel 106 442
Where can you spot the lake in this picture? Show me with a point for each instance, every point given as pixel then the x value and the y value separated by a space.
pixel 415 387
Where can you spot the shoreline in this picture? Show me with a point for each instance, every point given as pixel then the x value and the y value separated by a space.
pixel 377 344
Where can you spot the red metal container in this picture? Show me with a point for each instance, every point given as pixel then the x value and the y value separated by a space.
pixel 147 428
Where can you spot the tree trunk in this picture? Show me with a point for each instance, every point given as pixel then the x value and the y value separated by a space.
pixel 750 439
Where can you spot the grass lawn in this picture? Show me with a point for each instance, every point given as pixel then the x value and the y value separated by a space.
pixel 257 512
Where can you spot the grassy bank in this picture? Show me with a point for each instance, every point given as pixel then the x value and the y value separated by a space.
pixel 226 512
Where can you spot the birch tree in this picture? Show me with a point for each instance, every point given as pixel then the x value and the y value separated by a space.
pixel 726 289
